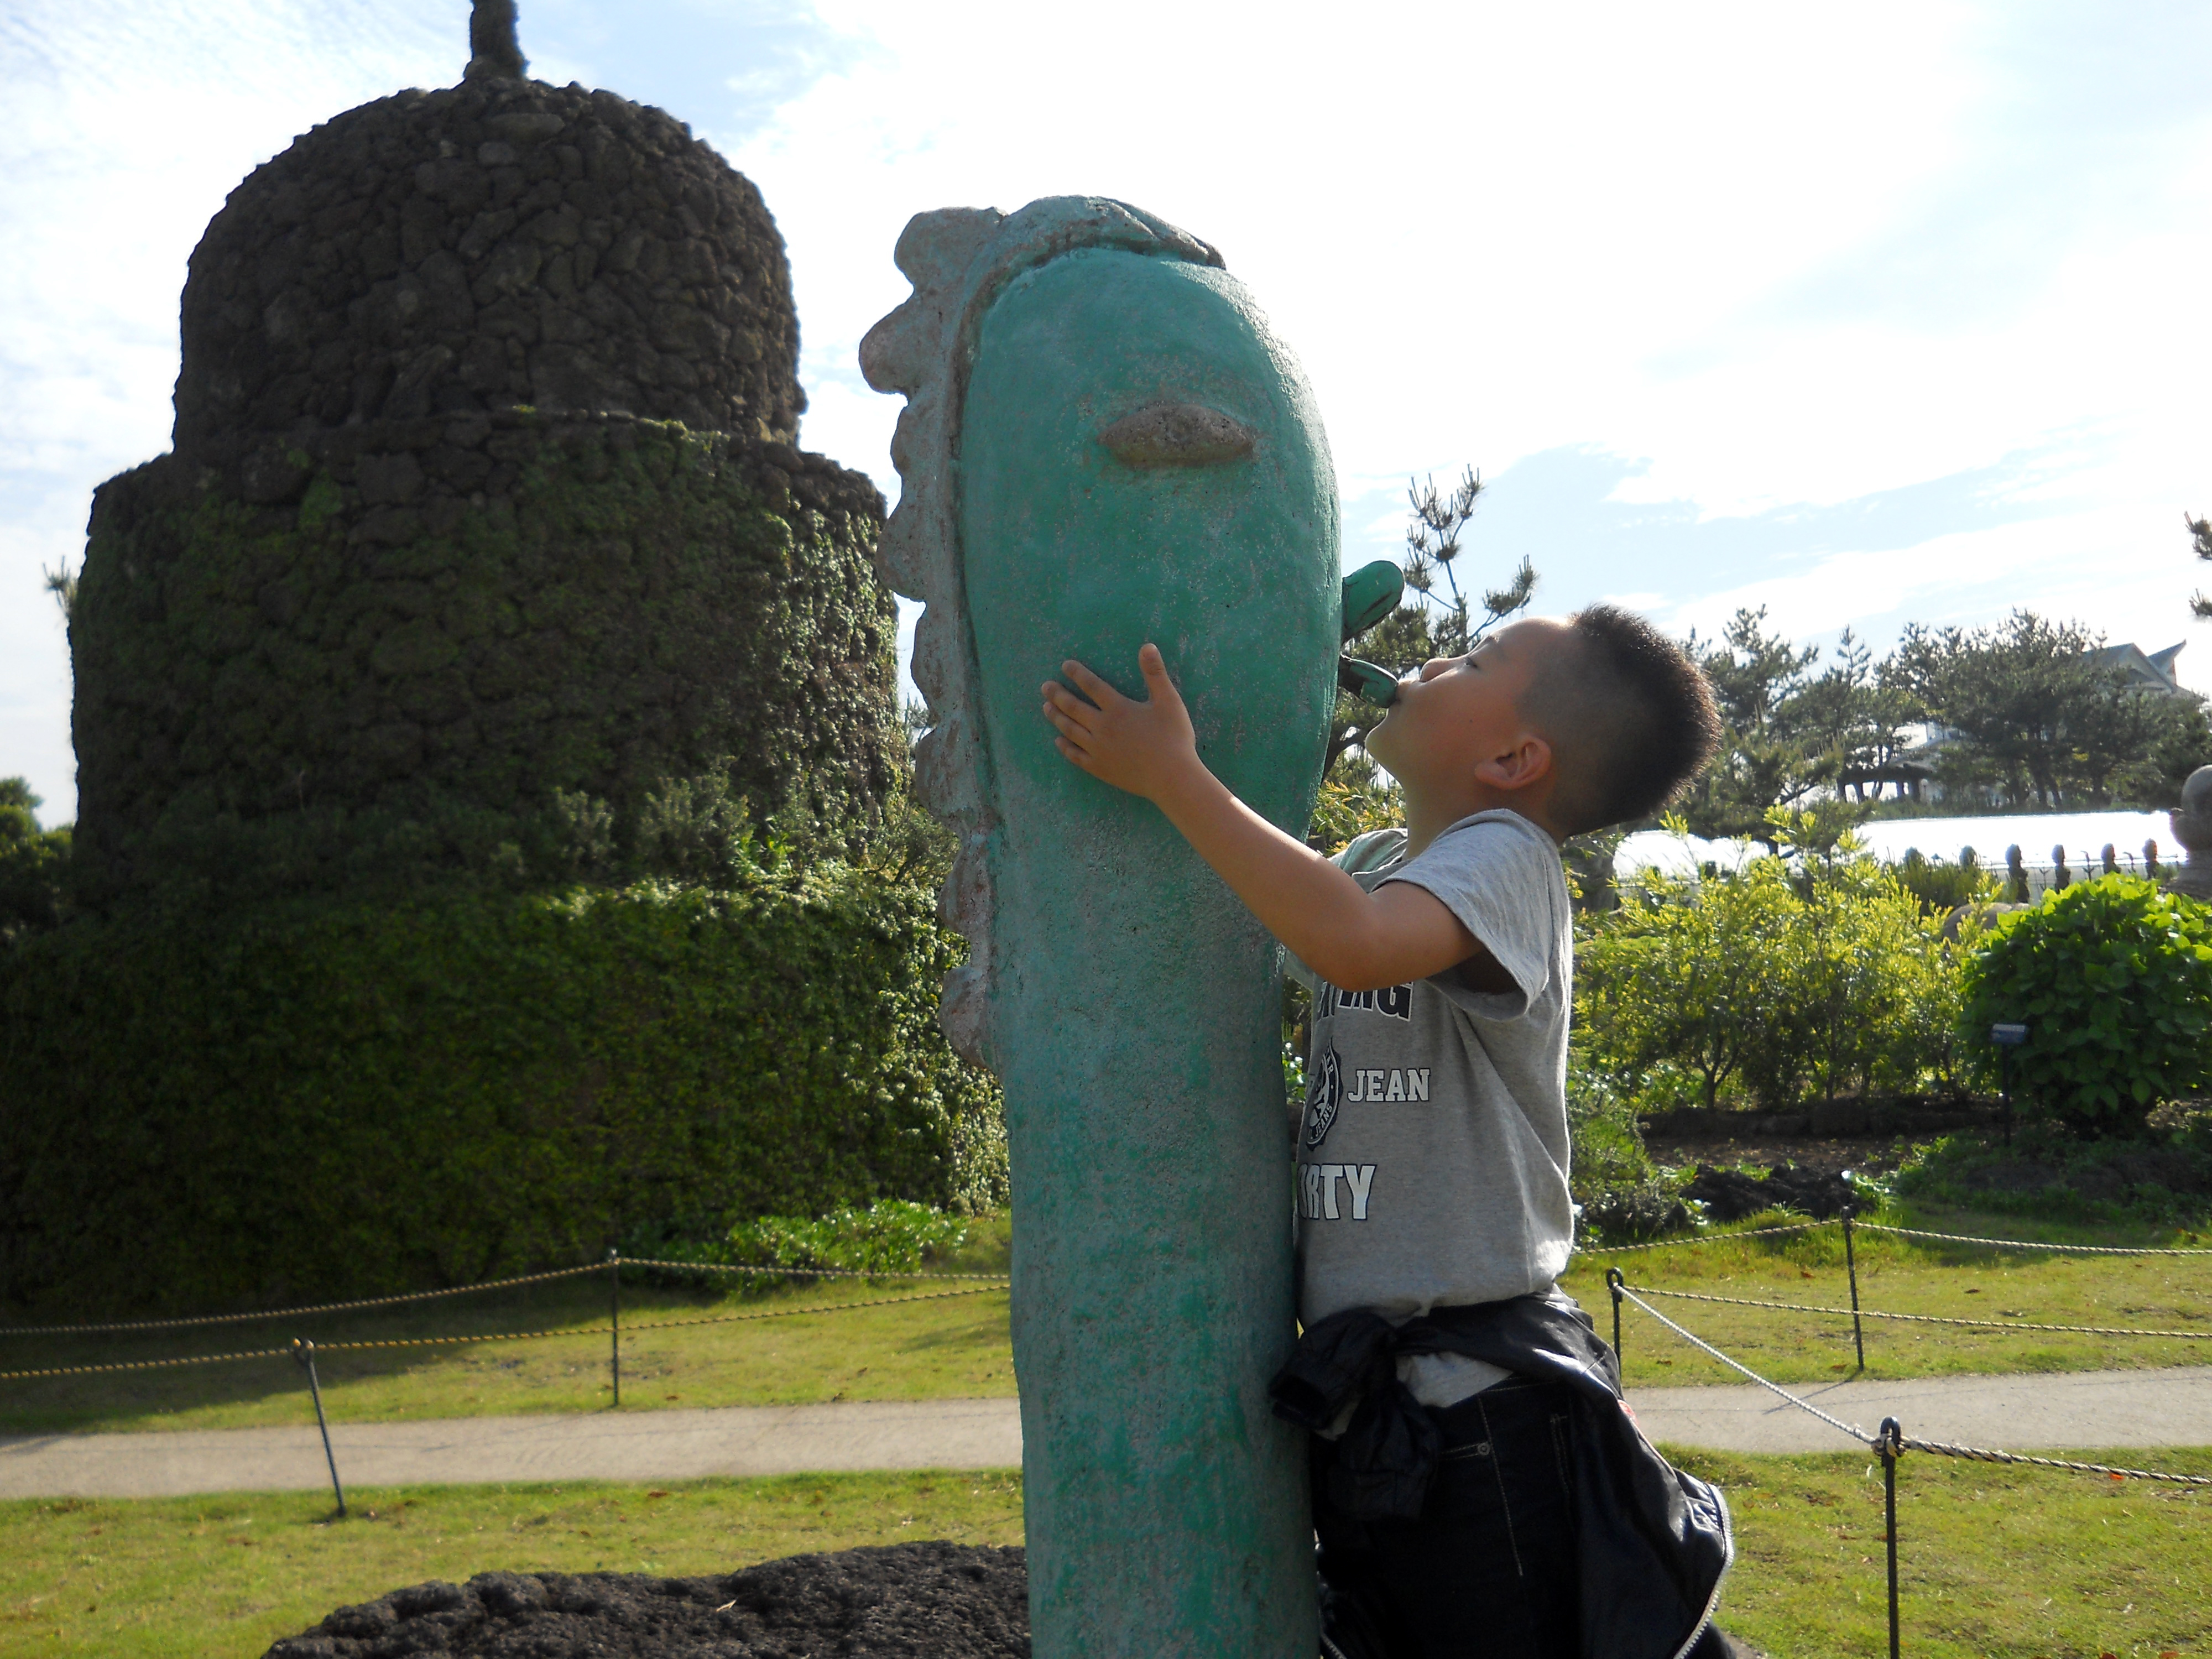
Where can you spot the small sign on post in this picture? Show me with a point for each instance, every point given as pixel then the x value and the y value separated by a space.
pixel 2006 1036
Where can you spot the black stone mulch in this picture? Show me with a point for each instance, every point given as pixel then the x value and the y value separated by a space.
pixel 945 1600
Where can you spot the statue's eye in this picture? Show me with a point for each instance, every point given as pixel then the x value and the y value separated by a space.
pixel 1178 434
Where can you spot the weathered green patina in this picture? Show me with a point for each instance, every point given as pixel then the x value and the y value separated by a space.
pixel 1105 445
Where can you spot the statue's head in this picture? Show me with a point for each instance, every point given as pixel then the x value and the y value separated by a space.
pixel 1103 444
pixel 2193 819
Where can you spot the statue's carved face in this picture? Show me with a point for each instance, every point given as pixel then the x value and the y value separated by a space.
pixel 1141 459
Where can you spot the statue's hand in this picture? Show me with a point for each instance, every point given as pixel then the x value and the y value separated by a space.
pixel 1146 748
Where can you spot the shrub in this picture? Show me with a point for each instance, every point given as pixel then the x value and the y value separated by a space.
pixel 1847 973
pixel 1622 1195
pixel 318 1098
pixel 2113 980
pixel 1940 886
pixel 1817 975
pixel 1681 976
pixel 2162 1181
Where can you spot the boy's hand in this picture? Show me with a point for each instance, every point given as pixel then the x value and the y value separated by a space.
pixel 1147 748
pixel 1354 940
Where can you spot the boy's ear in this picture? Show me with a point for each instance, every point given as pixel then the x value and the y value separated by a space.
pixel 1529 761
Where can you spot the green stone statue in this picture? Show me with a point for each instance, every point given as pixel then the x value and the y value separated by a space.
pixel 1105 443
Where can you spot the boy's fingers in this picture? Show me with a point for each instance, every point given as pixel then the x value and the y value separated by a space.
pixel 1067 723
pixel 1154 667
pixel 1066 709
pixel 1072 753
pixel 1091 685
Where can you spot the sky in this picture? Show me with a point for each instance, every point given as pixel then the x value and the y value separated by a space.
pixel 1868 314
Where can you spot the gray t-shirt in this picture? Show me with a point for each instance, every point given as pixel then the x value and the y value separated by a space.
pixel 1432 1154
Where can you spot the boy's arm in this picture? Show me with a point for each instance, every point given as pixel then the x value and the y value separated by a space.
pixel 1353 938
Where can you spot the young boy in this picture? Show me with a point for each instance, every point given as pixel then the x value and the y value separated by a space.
pixel 1478 1486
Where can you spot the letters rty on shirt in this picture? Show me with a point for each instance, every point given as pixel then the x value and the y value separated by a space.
pixel 1318 1183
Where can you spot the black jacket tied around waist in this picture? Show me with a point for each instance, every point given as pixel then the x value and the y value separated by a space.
pixel 1655 1542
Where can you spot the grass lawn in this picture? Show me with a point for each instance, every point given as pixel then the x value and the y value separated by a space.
pixel 222 1577
pixel 1992 1561
pixel 1901 1276
pixel 958 1347
pixel 1997 1563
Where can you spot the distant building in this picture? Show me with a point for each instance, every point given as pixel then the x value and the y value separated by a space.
pixel 2145 671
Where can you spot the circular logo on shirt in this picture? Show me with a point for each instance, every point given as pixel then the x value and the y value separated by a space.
pixel 1322 1095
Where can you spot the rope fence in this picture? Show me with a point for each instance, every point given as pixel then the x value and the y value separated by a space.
pixel 502 1336
pixel 1925 1319
pixel 289 1313
pixel 1858 1313
pixel 797 1272
pixel 1889 1443
pixel 1717 1238
pixel 303 1352
pixel 2029 1244
pixel 471 1290
pixel 1941 1448
pixel 1702 1238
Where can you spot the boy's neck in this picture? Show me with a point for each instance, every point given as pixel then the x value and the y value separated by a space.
pixel 1427 819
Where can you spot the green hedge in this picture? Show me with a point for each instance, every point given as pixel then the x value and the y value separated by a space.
pixel 324 695
pixel 314 1099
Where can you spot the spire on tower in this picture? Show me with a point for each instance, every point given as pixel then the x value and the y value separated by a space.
pixel 494 52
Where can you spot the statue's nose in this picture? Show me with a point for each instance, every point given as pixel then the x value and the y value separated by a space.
pixel 1178 434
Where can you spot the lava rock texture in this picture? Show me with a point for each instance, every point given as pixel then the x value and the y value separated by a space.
pixel 499 242
pixel 483 499
pixel 944 1601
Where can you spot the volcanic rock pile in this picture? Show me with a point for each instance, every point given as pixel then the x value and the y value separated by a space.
pixel 484 497
pixel 499 242
pixel 938 1600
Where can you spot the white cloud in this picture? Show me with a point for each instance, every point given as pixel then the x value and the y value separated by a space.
pixel 1784 257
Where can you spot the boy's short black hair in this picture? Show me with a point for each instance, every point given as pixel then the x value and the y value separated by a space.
pixel 1629 718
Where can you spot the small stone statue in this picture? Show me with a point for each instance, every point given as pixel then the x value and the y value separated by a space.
pixel 494 52
pixel 2192 827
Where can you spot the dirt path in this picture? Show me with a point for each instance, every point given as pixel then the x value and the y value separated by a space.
pixel 2022 1413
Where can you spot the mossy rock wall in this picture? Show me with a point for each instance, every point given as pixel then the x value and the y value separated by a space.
pixel 455 619
pixel 314 1098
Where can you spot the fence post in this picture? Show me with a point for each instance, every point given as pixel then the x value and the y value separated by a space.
pixel 1613 1283
pixel 304 1352
pixel 1893 1436
pixel 1851 1267
pixel 614 1323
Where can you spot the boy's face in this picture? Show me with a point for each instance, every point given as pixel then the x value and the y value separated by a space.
pixel 1461 711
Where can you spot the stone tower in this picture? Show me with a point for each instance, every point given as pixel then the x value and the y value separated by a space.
pixel 484 498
